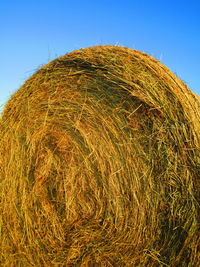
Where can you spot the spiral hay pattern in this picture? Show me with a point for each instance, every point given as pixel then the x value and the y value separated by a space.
pixel 100 164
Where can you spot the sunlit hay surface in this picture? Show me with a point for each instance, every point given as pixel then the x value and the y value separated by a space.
pixel 99 164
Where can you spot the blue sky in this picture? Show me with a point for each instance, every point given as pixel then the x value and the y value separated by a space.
pixel 34 32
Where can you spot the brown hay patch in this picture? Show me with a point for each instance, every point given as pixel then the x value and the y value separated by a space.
pixel 99 164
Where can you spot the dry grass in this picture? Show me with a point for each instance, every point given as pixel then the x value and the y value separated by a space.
pixel 100 165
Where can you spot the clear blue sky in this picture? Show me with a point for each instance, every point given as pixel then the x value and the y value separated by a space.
pixel 36 31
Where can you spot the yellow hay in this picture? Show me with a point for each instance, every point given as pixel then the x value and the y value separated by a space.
pixel 99 164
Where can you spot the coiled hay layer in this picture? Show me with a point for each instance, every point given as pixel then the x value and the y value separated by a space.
pixel 99 164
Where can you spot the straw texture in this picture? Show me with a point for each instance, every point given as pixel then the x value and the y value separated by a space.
pixel 100 164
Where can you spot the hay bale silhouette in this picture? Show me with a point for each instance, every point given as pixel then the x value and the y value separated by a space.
pixel 99 164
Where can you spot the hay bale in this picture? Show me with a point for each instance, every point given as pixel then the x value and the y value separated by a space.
pixel 99 164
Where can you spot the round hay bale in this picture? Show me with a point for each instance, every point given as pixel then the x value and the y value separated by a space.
pixel 100 165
